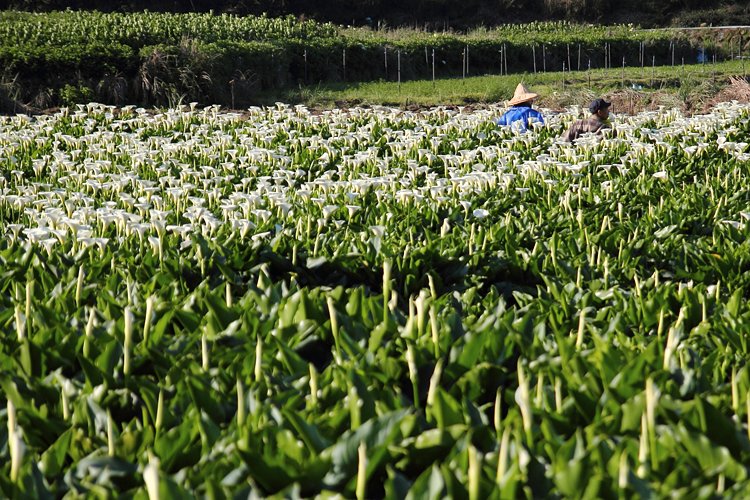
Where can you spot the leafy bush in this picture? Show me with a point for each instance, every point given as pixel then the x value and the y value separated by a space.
pixel 72 94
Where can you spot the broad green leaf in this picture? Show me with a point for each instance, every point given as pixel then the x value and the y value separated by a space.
pixel 53 459
pixel 376 434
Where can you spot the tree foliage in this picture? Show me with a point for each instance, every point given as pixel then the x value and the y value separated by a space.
pixel 433 13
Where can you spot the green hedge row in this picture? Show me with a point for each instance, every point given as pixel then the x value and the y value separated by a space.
pixel 92 59
pixel 465 13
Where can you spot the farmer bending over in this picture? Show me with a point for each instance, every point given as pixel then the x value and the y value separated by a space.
pixel 521 114
pixel 594 124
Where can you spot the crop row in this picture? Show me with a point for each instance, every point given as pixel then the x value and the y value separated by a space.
pixel 150 28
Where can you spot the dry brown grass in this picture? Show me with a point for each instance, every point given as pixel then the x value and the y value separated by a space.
pixel 737 90
pixel 694 97
pixel 561 99
pixel 630 102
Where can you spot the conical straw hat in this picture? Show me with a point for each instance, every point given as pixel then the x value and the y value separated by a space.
pixel 521 94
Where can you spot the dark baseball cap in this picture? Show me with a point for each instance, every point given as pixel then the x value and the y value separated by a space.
pixel 598 104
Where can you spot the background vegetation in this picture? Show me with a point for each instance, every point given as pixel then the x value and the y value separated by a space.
pixel 436 13
pixel 161 59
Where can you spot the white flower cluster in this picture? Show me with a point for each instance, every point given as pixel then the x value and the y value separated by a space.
pixel 98 175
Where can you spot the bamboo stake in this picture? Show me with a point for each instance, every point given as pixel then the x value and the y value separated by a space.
pixel 653 70
pixel 463 66
pixel 385 61
pixel 433 68
pixel 398 63
pixel 671 46
pixel 505 54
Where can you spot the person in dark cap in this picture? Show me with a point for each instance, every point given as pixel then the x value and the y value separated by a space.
pixel 594 124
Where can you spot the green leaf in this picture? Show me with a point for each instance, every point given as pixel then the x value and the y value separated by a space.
pixel 159 330
pixel 571 467
pixel 218 310
pixel 307 432
pixel 108 360
pixel 712 459
pixel 472 348
pixel 53 459
pixel 429 485
pixel 446 410
pixel 105 470
pixel 376 433
pixel 664 232
pixel 94 376
pixel 734 303
pixel 188 319
pixel 204 399
pixel 294 364
pixel 179 446
pixel 397 486
pixel 272 473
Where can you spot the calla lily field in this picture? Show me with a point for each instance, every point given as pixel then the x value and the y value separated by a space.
pixel 371 303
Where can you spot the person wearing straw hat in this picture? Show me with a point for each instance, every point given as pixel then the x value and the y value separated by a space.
pixel 521 114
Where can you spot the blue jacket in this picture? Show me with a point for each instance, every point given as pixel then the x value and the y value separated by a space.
pixel 522 114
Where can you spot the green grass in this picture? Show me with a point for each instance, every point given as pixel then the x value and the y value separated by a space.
pixel 554 90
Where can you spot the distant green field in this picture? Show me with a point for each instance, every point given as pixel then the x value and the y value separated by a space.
pixel 556 89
